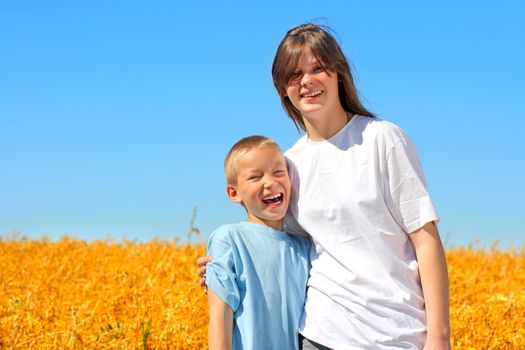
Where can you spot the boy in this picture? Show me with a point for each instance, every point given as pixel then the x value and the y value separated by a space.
pixel 257 279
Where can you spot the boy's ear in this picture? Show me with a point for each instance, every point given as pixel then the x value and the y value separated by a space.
pixel 233 194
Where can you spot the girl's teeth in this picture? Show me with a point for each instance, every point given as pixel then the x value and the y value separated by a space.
pixel 311 94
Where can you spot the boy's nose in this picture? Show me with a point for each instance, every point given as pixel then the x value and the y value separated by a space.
pixel 269 182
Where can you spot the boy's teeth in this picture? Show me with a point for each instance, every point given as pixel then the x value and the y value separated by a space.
pixel 272 197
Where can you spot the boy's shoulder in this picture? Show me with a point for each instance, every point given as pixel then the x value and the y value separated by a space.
pixel 234 232
pixel 225 238
pixel 245 231
pixel 227 231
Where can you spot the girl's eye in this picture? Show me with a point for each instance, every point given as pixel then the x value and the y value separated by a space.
pixel 295 76
pixel 279 172
pixel 318 69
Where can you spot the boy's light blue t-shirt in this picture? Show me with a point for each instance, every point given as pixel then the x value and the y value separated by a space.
pixel 261 273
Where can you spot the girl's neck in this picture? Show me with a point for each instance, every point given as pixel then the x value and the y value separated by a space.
pixel 323 127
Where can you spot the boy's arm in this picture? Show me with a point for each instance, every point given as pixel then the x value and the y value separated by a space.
pixel 220 327
pixel 434 280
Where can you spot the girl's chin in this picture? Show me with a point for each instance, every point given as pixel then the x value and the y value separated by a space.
pixel 310 110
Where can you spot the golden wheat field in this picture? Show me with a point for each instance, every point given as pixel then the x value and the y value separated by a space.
pixel 126 295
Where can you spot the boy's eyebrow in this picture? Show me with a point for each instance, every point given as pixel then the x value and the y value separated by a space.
pixel 249 171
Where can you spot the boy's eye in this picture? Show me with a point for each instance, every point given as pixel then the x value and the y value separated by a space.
pixel 253 177
pixel 279 172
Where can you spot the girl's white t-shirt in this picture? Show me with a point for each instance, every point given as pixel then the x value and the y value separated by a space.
pixel 359 195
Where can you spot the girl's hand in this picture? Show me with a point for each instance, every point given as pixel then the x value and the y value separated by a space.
pixel 201 263
pixel 437 344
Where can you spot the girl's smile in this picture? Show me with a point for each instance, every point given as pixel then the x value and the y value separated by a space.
pixel 312 95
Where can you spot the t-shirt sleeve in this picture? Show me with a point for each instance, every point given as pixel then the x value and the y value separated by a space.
pixel 410 203
pixel 220 272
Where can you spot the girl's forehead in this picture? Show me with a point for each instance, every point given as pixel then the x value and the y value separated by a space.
pixel 303 59
pixel 308 57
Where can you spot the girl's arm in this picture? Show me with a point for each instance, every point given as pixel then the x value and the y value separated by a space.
pixel 201 264
pixel 220 327
pixel 434 280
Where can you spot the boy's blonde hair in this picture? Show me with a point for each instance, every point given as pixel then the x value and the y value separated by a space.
pixel 241 147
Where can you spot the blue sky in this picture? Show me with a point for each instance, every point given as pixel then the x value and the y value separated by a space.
pixel 115 116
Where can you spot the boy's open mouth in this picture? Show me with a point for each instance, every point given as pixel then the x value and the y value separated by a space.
pixel 273 199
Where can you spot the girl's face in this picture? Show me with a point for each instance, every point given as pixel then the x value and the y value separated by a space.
pixel 312 89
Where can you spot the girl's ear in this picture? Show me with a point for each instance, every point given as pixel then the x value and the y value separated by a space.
pixel 233 194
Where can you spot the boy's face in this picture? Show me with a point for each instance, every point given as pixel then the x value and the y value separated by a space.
pixel 263 186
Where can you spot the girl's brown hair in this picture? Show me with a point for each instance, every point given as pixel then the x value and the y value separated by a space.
pixel 328 53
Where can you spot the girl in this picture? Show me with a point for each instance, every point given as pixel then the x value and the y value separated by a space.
pixel 378 278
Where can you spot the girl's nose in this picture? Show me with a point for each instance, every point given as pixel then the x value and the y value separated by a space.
pixel 306 80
